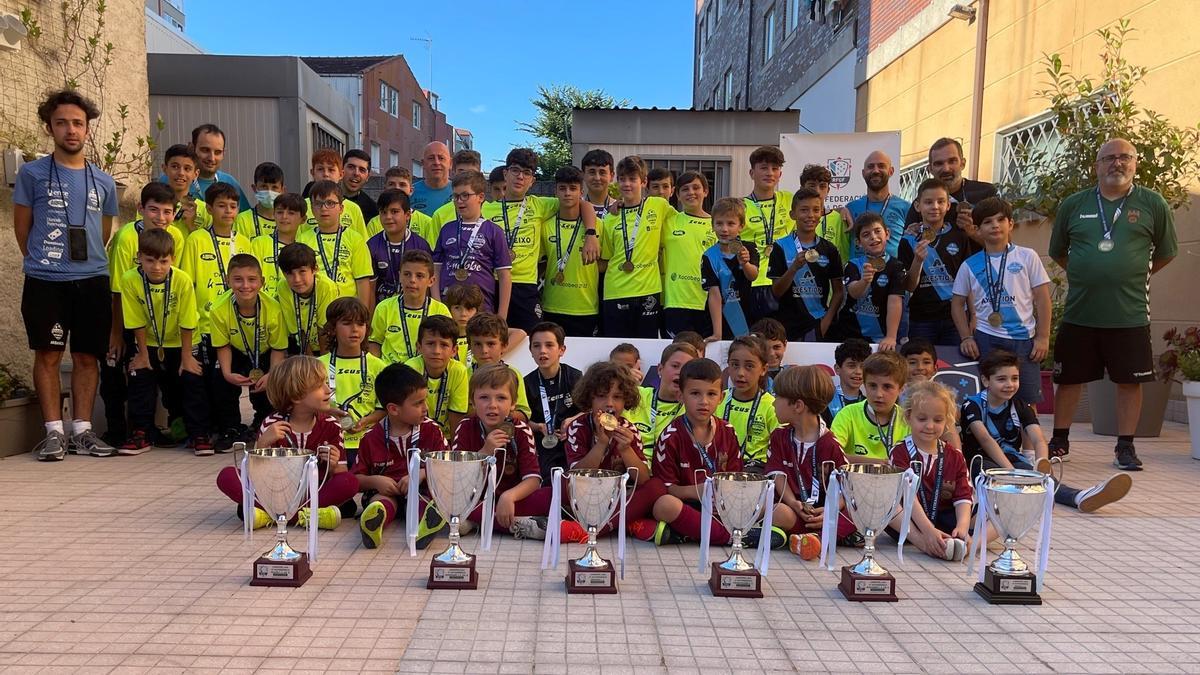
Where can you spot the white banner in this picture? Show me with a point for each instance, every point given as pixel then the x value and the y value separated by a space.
pixel 843 154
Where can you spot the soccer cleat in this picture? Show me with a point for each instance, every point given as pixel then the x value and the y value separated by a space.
pixel 137 443
pixel 371 524
pixel 642 528
pixel 52 448
pixel 201 446
pixel 1125 457
pixel 664 535
pixel 1104 492
pixel 431 524
pixel 572 532
pixel 807 546
pixel 779 538
pixel 1060 449
pixel 261 518
pixel 853 540
pixel 328 517
pixel 225 441
pixel 88 443
pixel 529 527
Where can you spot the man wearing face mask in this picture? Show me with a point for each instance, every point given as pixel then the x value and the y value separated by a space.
pixel 356 170
pixel 260 220
pixel 946 162
pixel 877 171
pixel 1110 239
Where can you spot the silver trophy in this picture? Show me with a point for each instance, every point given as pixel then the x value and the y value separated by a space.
pixel 873 495
pixel 742 500
pixel 1015 501
pixel 594 494
pixel 457 481
pixel 278 478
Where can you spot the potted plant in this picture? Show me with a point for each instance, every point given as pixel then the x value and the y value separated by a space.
pixel 1181 363
pixel 20 420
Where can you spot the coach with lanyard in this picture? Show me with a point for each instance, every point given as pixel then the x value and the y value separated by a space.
pixel 1110 239
pixel 63 210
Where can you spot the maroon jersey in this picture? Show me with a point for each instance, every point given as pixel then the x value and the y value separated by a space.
pixel 513 464
pixel 325 431
pixel 678 460
pixel 800 462
pixel 956 485
pixel 379 455
pixel 581 435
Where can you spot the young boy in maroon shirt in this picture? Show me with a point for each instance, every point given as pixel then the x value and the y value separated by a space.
pixel 690 449
pixel 492 430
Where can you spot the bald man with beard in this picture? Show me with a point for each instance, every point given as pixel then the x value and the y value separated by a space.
pixel 877 172
pixel 433 189
pixel 1109 238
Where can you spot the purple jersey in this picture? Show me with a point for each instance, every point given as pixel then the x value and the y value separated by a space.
pixel 480 249
pixel 385 261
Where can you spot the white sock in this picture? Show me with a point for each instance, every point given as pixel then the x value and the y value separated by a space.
pixel 80 426
pixel 56 425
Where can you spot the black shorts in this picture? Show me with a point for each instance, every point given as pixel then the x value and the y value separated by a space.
pixel 57 311
pixel 575 326
pixel 676 320
pixel 524 307
pixel 1082 354
pixel 635 317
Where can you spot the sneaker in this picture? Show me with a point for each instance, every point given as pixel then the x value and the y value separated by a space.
pixel 371 524
pixel 807 546
pixel 529 527
pixel 853 540
pixel 1126 457
pixel 951 550
pixel 432 523
pixel 224 442
pixel 52 448
pixel 664 535
pixel 1060 449
pixel 642 528
pixel 328 517
pixel 261 518
pixel 88 443
pixel 779 538
pixel 137 443
pixel 201 445
pixel 1104 492
pixel 349 508
pixel 571 532
pixel 960 549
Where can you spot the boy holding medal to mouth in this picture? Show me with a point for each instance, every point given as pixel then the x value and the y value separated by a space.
pixel 249 336
pixel 1009 294
pixel 571 295
pixel 159 306
pixel 806 270
pixel 472 249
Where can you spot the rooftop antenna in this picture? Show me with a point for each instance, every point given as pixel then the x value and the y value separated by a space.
pixel 428 40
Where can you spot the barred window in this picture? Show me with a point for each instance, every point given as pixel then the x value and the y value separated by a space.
pixel 910 178
pixel 1035 137
pixel 325 139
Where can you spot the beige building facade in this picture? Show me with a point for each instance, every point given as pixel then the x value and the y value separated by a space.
pixel 28 72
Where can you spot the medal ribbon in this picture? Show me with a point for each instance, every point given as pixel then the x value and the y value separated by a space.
pixel 220 260
pixel 768 226
pixel 995 286
pixel 304 335
pixel 408 348
pixel 630 242
pixel 1104 221
pixel 362 372
pixel 393 273
pixel 547 414
pixel 929 504
pixel 891 427
pixel 562 258
pixel 166 304
pixel 993 431
pixel 814 488
pixel 510 237
pixel 441 395
pixel 466 247
pixel 332 273
pixel 251 352
pixel 704 456
pixel 749 419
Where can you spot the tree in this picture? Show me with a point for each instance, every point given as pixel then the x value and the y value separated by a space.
pixel 552 126
pixel 1088 112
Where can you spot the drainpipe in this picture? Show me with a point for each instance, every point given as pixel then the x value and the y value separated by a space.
pixel 749 51
pixel 981 36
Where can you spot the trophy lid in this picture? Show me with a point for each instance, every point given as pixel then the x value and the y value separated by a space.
pixel 279 452
pixel 742 476
pixel 595 473
pixel 455 456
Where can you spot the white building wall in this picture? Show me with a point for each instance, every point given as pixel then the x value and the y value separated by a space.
pixel 828 105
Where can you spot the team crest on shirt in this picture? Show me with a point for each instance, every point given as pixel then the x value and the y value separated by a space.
pixel 823 261
pixel 208 256
pixel 952 248
pixel 881 280
pixel 1016 268
pixel 840 168
pixel 1134 214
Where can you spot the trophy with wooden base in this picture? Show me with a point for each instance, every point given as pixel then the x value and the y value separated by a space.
pixel 457 482
pixel 742 500
pixel 873 495
pixel 1014 500
pixel 594 494
pixel 278 478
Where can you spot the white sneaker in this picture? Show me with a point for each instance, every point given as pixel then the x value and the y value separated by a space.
pixel 529 527
pixel 1104 492
pixel 960 549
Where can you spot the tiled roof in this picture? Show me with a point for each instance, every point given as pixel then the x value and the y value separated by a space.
pixel 342 65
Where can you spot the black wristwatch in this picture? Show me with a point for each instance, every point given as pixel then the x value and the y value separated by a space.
pixel 590 232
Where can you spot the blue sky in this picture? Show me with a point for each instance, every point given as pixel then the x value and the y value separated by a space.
pixel 488 57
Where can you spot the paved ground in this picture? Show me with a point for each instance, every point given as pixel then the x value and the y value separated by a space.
pixel 138 563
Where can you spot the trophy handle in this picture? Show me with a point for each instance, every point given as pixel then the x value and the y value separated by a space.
pixel 325 477
pixel 631 486
pixel 239 446
pixel 976 466
pixel 773 476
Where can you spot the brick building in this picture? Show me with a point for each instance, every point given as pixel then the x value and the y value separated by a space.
pixel 396 118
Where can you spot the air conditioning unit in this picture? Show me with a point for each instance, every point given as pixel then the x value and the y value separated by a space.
pixel 12 31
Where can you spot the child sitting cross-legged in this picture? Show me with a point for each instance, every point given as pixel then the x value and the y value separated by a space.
pixel 299 392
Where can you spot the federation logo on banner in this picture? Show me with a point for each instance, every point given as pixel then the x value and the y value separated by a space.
pixel 840 168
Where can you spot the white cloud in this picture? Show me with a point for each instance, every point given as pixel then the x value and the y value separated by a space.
pixel 478 109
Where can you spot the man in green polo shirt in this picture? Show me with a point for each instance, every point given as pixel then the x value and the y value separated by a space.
pixel 1110 239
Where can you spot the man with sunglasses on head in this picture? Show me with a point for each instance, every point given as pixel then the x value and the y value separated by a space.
pixel 1109 238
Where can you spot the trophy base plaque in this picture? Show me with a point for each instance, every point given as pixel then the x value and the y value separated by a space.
pixel 729 584
pixel 861 588
pixel 292 574
pixel 591 579
pixel 1004 589
pixel 455 577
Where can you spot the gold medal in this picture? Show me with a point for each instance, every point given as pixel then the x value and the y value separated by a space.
pixel 559 278
pixel 608 421
pixel 928 234
pixel 995 320
pixel 767 251
pixel 877 264
pixel 461 274
pixel 256 375
pixel 627 266
pixel 162 355
pixel 508 429
pixel 811 255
